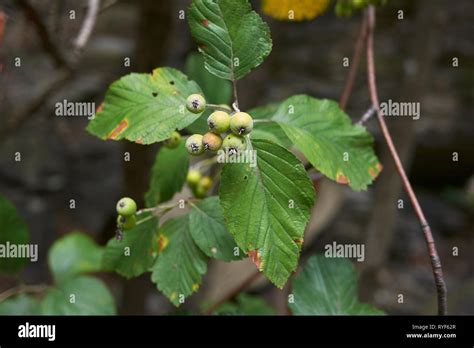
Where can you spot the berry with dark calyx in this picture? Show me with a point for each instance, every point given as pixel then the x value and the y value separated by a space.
pixel 193 177
pixel 126 206
pixel 218 122
pixel 126 222
pixel 194 145
pixel 212 141
pixel 233 144
pixel 173 141
pixel 196 103
pixel 205 183
pixel 241 123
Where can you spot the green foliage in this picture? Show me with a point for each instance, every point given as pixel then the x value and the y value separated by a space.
pixel 263 207
pixel 335 146
pixel 134 254
pixel 328 287
pixel 232 37
pixel 79 296
pixel 14 232
pixel 267 208
pixel 20 305
pixel 168 174
pixel 74 254
pixel 145 108
pixel 208 230
pixel 269 130
pixel 246 304
pixel 180 265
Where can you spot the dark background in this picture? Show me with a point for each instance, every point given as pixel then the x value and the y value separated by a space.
pixel 61 161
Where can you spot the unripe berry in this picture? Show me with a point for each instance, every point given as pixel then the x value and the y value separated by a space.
pixel 219 122
pixel 173 141
pixel 126 222
pixel 205 183
pixel 194 145
pixel 233 144
pixel 241 123
pixel 196 103
pixel 126 206
pixel 211 141
pixel 199 192
pixel 193 178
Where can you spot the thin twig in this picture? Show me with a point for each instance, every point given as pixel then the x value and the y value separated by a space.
pixel 236 95
pixel 87 26
pixel 232 293
pixel 354 64
pixel 435 260
pixel 218 107
pixel 34 17
pixel 22 288
pixel 367 115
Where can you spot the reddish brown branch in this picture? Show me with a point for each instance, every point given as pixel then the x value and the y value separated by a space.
pixel 354 64
pixel 435 260
pixel 232 293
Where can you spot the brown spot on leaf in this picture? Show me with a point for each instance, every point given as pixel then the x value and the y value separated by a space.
pixel 162 242
pixel 256 258
pixel 118 130
pixel 341 178
pixel 100 108
pixel 299 242
pixel 139 141
pixel 372 172
pixel 379 167
pixel 202 46
pixel 205 22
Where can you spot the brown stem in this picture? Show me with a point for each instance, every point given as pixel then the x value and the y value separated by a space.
pixel 354 64
pixel 21 289
pixel 47 42
pixel 232 293
pixel 435 260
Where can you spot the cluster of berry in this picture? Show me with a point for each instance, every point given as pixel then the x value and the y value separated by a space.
pixel 219 122
pixel 198 184
pixel 126 208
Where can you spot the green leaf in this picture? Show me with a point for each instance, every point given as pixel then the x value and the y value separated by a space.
pixel 246 305
pixel 20 305
pixel 267 207
pixel 82 295
pixel 208 230
pixel 328 286
pixel 168 174
pixel 13 235
pixel 180 265
pixel 268 130
pixel 232 37
pixel 145 108
pixel 134 254
pixel 216 90
pixel 73 254
pixel 326 136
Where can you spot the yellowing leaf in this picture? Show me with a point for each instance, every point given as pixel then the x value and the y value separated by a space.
pixel 294 10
